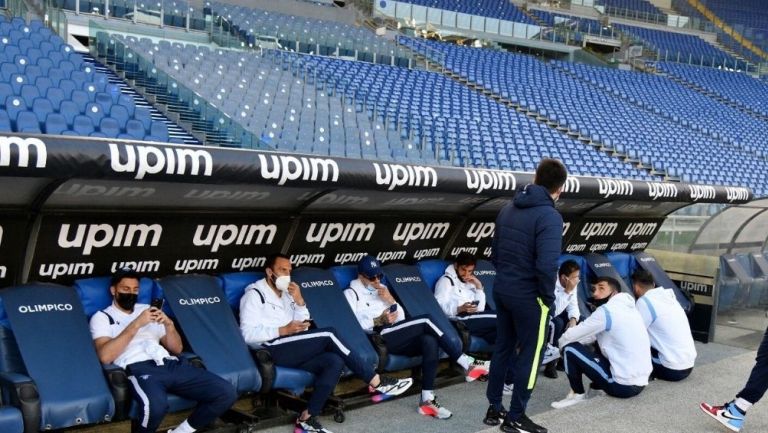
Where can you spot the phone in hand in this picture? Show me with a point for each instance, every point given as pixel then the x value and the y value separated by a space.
pixel 475 303
pixel 393 308
pixel 156 303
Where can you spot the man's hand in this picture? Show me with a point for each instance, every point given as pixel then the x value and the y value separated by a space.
pixel 160 317
pixel 384 293
pixel 295 292
pixel 475 282
pixel 467 307
pixel 147 316
pixel 293 327
pixel 571 323
pixel 388 318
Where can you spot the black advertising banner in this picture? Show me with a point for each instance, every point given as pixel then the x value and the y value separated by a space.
pixel 65 157
pixel 71 247
pixel 12 242
pixel 339 241
pixel 599 235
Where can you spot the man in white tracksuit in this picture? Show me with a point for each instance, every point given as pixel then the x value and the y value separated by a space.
pixel 623 363
pixel 672 350
pixel 565 313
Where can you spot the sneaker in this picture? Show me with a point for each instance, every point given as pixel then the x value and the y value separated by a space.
pixel 493 416
pixel 508 388
pixel 552 353
pixel 728 415
pixel 477 369
pixel 571 399
pixel 433 409
pixel 522 425
pixel 550 370
pixel 309 425
pixel 389 387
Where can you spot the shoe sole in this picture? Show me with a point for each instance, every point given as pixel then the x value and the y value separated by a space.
pixel 436 416
pixel 378 398
pixel 729 427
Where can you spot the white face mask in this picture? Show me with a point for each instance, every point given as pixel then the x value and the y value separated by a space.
pixel 282 283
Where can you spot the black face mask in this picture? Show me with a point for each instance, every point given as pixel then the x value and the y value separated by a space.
pixel 597 303
pixel 126 301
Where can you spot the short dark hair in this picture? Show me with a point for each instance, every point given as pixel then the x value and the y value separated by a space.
pixel 568 267
pixel 551 174
pixel 643 277
pixel 123 273
pixel 272 258
pixel 611 282
pixel 465 259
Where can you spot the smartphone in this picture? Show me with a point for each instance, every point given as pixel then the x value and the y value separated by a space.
pixel 475 303
pixel 157 303
pixel 393 308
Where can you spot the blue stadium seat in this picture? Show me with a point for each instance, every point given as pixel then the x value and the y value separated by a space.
pixel 599 266
pixel 55 124
pixel 234 285
pixel 431 270
pixel 135 129
pixel 109 127
pixel 42 107
pixel 27 122
pixel 5 121
pixel 648 263
pixel 13 106
pixel 159 131
pixel 69 110
pixel 82 126
pixel 486 273
pixel 624 264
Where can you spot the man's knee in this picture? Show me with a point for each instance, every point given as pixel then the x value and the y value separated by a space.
pixel 226 395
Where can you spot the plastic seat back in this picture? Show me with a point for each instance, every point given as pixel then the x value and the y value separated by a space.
pixel 648 263
pixel 431 270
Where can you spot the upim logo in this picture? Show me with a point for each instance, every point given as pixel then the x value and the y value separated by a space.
pixel 566 226
pixel 22 147
pixel 78 190
pixel 661 190
pixel 223 235
pixel 396 175
pixel 572 185
pixel 640 229
pixel 90 236
pixel 480 231
pixel 144 160
pixel 338 232
pixel 420 231
pixel 212 194
pixel 285 168
pixel 481 180
pixel 736 194
pixel 702 192
pixel 598 229
pixel 611 187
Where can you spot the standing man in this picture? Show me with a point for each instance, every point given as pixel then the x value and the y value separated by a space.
pixel 526 246
pixel 141 339
pixel 672 350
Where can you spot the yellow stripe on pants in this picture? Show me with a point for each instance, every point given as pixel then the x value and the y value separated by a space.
pixel 539 342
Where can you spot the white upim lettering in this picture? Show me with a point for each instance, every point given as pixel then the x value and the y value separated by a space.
pixel 396 175
pixel 188 265
pixel 344 258
pixel 243 263
pixel 640 229
pixel 150 160
pixel 458 250
pixel 91 236
pixel 598 229
pixel 419 231
pixel 289 168
pixel 702 192
pixel 658 190
pixel 612 187
pixel 56 270
pixel 566 226
pixel 482 180
pixel 144 267
pixel 227 234
pixel 480 231
pixel 3 271
pixel 307 259
pixel 736 194
pixel 386 256
pixel 23 146
pixel 326 233
pixel 572 185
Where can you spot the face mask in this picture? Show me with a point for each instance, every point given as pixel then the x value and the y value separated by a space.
pixel 126 301
pixel 599 302
pixel 370 288
pixel 282 283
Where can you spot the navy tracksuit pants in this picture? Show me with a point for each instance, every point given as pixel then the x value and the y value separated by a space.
pixel 580 361
pixel 482 325
pixel 321 352
pixel 521 336
pixel 758 380
pixel 151 384
pixel 419 336
pixel 664 373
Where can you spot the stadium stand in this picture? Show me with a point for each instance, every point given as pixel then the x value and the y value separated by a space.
pixel 640 7
pixel 748 17
pixel 736 88
pixel 667 146
pixel 580 24
pixel 499 9
pixel 679 47
pixel 173 12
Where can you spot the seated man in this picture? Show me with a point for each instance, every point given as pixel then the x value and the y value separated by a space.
pixel 141 339
pixel 378 312
pixel 273 316
pixel 565 313
pixel 672 350
pixel 623 362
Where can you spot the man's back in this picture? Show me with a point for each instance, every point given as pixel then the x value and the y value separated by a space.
pixel 527 244
pixel 668 328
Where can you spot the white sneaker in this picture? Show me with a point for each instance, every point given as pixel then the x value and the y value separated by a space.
pixel 571 399
pixel 550 354
pixel 477 369
pixel 508 389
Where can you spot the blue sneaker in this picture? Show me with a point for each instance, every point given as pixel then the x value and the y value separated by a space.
pixel 728 415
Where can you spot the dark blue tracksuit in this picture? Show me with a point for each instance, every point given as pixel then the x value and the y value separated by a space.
pixel 526 246
pixel 758 380
pixel 323 353
pixel 151 384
